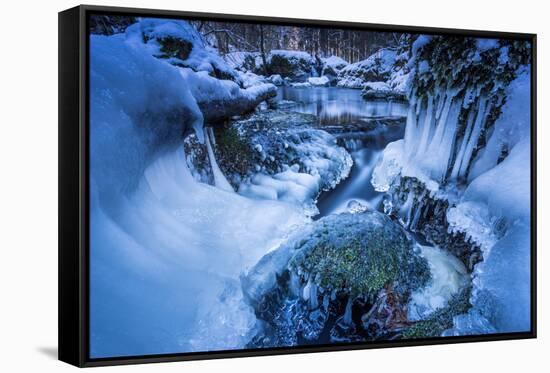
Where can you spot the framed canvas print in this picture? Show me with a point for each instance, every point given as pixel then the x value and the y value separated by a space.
pixel 238 186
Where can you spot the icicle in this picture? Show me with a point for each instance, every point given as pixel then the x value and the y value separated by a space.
pixel 211 135
pixel 219 179
pixel 460 155
pixel 313 303
pixel 474 137
pixel 441 94
pixel 449 137
pixel 294 284
pixel 427 127
pixel 306 292
pixel 416 217
pixel 347 314
pixel 405 210
pixel 410 128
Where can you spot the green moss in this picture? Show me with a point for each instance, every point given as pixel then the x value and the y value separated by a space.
pixel 361 253
pixel 441 319
pixel 234 153
pixel 174 47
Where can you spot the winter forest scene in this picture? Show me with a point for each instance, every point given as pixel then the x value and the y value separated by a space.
pixel 262 186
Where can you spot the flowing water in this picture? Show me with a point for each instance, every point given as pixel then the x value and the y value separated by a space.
pixel 363 127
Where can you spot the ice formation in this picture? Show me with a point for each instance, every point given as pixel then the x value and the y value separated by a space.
pixel 467 145
pixel 158 237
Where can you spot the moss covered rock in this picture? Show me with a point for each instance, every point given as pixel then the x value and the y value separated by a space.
pixel 360 254
pixel 442 319
pixel 347 278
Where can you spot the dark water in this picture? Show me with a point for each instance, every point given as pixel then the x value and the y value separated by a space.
pixel 339 105
pixel 341 109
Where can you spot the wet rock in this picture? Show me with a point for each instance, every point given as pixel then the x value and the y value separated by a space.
pixel 347 280
pixel 427 215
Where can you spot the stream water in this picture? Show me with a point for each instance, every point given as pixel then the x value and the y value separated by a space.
pixel 339 105
pixel 364 129
pixel 373 125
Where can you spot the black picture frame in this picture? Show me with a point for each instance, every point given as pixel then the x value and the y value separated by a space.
pixel 74 189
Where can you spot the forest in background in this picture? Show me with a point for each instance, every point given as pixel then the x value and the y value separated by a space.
pixel 227 37
pixel 351 45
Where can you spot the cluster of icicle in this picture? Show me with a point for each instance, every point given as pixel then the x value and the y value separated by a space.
pixel 432 128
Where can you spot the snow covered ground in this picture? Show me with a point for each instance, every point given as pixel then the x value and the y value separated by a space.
pixel 164 236
pixel 160 239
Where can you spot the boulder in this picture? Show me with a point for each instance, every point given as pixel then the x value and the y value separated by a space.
pixel 295 65
pixel 346 279
pixel 376 68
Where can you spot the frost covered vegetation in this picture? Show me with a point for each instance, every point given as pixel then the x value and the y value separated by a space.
pixel 266 186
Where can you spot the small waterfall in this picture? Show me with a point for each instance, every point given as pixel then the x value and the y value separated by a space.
pixel 219 178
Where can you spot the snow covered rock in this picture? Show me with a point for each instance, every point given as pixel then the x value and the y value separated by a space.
pixel 244 61
pixel 322 81
pixel 295 65
pixel 376 68
pixel 276 79
pixel 276 155
pixel 332 66
pixel 346 276
pixel 167 101
pixel 381 91
pixel 181 45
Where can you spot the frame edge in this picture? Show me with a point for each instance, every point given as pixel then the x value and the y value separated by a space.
pixel 69 224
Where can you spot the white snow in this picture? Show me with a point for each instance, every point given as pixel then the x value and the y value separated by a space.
pixel 201 57
pixel 495 213
pixel 291 55
pixel 379 64
pixel 324 165
pixel 158 238
pixel 334 61
pixel 321 81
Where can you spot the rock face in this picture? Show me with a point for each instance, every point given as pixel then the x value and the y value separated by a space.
pixel 421 212
pixel 347 279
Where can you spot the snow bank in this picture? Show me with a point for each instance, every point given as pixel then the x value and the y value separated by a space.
pixel 158 238
pixel 180 44
pixel 500 222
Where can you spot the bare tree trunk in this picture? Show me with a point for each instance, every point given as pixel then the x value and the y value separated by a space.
pixel 262 50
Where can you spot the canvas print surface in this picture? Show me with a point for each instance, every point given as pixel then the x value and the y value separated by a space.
pixel 260 185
